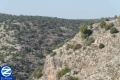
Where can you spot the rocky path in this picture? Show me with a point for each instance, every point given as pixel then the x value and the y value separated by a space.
pixel 50 74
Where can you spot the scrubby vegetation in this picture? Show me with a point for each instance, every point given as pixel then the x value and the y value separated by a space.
pixel 109 26
pixel 85 32
pixel 62 72
pixel 106 19
pixel 37 73
pixel 37 37
pixel 114 30
pixel 72 78
pixel 89 41
pixel 101 45
pixel 78 53
pixel 102 24
pixel 73 46
pixel 69 46
pixel 77 46
pixel 53 54
pixel 83 28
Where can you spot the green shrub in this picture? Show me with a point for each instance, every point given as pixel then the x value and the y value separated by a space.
pixel 53 54
pixel 88 32
pixel 102 24
pixel 37 73
pixel 4 47
pixel 69 46
pixel 101 45
pixel 75 72
pixel 72 78
pixel 59 45
pixel 83 28
pixel 77 46
pixel 62 72
pixel 106 19
pixel 12 49
pixel 85 32
pixel 109 26
pixel 89 41
pixel 2 58
pixel 113 30
pixel 84 36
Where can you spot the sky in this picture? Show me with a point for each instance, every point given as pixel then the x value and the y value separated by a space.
pixel 69 9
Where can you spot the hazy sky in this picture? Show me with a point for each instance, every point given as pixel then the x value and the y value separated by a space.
pixel 71 9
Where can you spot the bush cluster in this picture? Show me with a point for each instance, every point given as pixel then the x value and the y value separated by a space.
pixel 62 72
pixel 74 47
pixel 85 32
pixel 109 26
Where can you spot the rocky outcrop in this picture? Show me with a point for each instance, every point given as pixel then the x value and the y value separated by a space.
pixel 49 71
pixel 88 62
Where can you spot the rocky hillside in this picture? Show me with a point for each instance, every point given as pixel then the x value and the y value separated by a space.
pixel 25 41
pixel 8 44
pixel 95 57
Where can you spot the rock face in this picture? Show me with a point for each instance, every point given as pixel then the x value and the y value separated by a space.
pixel 49 71
pixel 88 62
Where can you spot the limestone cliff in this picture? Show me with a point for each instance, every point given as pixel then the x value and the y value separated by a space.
pixel 87 62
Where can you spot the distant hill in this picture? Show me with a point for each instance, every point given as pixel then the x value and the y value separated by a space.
pixel 27 40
